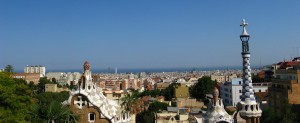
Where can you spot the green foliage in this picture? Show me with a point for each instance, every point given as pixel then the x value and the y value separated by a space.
pixel 152 93
pixel 255 79
pixel 41 85
pixel 15 99
pixel 53 80
pixel 169 92
pixel 202 87
pixel 288 115
pixel 54 112
pixel 269 116
pixel 18 103
pixel 71 87
pixel 9 68
pixel 131 102
pixel 49 108
pixel 145 117
pixel 157 106
pixel 47 97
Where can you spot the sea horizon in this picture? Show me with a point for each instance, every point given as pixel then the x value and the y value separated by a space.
pixel 149 70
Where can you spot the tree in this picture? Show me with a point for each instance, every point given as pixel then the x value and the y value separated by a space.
pixel 149 115
pixel 202 87
pixel 16 100
pixel 145 117
pixel 9 68
pixel 19 104
pixel 50 109
pixel 169 92
pixel 47 97
pixel 131 103
pixel 255 79
pixel 54 112
pixel 53 80
pixel 157 106
pixel 269 116
pixel 155 92
pixel 41 85
pixel 288 116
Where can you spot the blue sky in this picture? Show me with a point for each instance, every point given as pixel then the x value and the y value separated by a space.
pixel 145 33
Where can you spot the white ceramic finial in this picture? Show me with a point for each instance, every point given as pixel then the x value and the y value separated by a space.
pixel 244 24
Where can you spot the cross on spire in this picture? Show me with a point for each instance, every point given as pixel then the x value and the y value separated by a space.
pixel 244 24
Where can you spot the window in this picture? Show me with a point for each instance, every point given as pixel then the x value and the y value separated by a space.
pixel 240 91
pixel 240 82
pixel 92 117
pixel 259 90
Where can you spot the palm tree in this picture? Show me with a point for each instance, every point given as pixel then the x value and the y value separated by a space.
pixel 55 112
pixel 131 103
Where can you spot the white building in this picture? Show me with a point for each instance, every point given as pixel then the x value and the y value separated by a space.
pixel 63 78
pixel 232 91
pixel 55 75
pixel 92 106
pixel 36 69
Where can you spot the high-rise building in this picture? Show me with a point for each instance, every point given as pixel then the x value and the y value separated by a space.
pixel 248 108
pixel 36 69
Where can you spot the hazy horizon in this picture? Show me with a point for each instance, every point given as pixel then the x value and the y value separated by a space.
pixel 137 70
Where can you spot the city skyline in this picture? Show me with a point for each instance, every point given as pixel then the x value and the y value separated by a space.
pixel 145 34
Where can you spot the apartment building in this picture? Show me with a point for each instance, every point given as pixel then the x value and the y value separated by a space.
pixel 232 91
pixel 36 69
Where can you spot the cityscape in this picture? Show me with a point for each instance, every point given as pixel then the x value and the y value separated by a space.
pixel 149 62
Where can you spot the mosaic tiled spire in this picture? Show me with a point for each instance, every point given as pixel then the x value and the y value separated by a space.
pixel 250 108
pixel 248 94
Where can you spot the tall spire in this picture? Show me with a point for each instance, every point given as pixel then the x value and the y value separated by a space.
pixel 250 109
pixel 248 94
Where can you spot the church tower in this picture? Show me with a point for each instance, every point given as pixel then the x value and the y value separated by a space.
pixel 249 109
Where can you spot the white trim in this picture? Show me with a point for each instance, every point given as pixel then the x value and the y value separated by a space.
pixel 92 121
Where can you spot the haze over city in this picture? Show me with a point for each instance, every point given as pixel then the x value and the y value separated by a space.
pixel 145 34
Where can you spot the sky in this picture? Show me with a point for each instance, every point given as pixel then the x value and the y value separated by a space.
pixel 62 34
